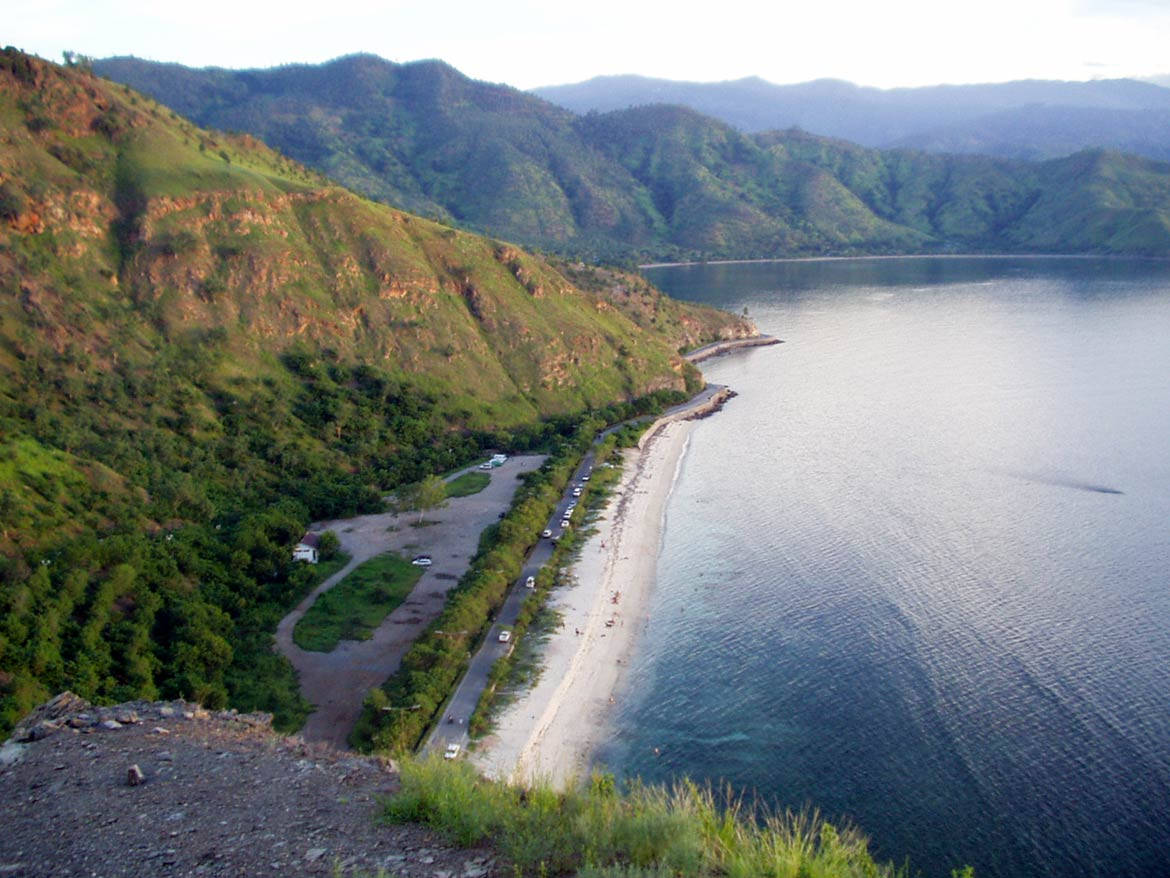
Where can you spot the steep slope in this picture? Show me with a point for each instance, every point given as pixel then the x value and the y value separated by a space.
pixel 720 194
pixel 421 136
pixel 203 344
pixel 658 182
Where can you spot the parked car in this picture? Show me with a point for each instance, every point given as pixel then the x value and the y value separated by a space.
pixel 421 561
pixel 505 636
pixel 530 582
pixel 576 492
pixel 565 523
pixel 452 751
pixel 486 465
pixel 546 533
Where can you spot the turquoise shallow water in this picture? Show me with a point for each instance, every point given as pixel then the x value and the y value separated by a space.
pixel 918 573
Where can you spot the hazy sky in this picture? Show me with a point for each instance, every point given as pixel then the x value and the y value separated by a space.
pixel 543 42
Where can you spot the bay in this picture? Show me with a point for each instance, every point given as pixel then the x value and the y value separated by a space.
pixel 917 575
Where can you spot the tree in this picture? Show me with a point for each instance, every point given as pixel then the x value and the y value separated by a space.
pixel 328 546
pixel 432 494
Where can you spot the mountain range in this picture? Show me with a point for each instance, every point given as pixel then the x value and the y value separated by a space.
pixel 1028 119
pixel 662 181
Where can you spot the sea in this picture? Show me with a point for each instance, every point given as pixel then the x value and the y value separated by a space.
pixel 916 576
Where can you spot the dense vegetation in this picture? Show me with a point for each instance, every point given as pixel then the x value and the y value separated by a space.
pixel 506 666
pixel 649 831
pixel 658 182
pixel 397 715
pixel 204 346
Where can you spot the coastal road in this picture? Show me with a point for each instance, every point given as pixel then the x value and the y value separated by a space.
pixel 452 727
pixel 337 682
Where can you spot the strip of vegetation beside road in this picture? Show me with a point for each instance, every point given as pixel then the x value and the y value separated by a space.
pixel 397 715
pixel 595 490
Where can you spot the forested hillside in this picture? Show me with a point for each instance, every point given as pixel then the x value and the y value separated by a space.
pixel 662 182
pixel 204 345
pixel 1025 119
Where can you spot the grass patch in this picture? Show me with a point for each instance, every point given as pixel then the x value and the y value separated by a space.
pixel 468 484
pixel 648 830
pixel 353 608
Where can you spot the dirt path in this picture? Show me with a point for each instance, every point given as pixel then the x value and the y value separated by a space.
pixel 337 682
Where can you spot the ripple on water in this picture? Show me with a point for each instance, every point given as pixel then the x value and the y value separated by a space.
pixel 896 583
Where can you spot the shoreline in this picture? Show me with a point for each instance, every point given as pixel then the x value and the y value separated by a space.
pixel 902 256
pixel 718 348
pixel 553 729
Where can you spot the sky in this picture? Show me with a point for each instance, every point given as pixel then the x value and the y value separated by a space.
pixel 527 43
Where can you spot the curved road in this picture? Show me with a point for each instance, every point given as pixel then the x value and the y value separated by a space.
pixel 452 729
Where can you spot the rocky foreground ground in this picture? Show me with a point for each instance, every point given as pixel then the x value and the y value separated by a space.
pixel 168 788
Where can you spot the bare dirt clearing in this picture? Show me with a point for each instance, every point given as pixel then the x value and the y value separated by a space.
pixel 337 682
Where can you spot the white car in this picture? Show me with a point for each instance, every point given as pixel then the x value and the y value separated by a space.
pixel 530 582
pixel 486 465
pixel 422 561
pixel 452 751
pixel 565 523
pixel 546 533
pixel 576 492
pixel 505 636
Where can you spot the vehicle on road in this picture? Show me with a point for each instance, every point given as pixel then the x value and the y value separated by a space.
pixel 546 533
pixel 576 492
pixel 422 561
pixel 505 636
pixel 565 524
pixel 530 582
pixel 486 465
pixel 452 751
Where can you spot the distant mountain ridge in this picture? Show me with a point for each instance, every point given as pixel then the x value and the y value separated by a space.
pixel 1057 118
pixel 661 182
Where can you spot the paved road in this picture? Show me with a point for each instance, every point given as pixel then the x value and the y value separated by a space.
pixel 337 682
pixel 452 728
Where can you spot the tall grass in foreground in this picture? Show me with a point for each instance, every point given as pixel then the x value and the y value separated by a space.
pixel 648 831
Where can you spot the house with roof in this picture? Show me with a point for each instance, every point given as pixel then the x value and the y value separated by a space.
pixel 306 549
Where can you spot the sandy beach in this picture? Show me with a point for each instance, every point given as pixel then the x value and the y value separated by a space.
pixel 554 728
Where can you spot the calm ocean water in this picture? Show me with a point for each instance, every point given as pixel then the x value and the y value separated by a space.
pixel 918 574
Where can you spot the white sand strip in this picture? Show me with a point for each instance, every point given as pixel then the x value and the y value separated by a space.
pixel 553 729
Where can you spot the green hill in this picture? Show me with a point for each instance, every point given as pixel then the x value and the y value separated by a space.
pixel 654 182
pixel 203 345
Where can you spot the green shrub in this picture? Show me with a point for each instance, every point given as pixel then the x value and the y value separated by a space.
pixel 648 831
